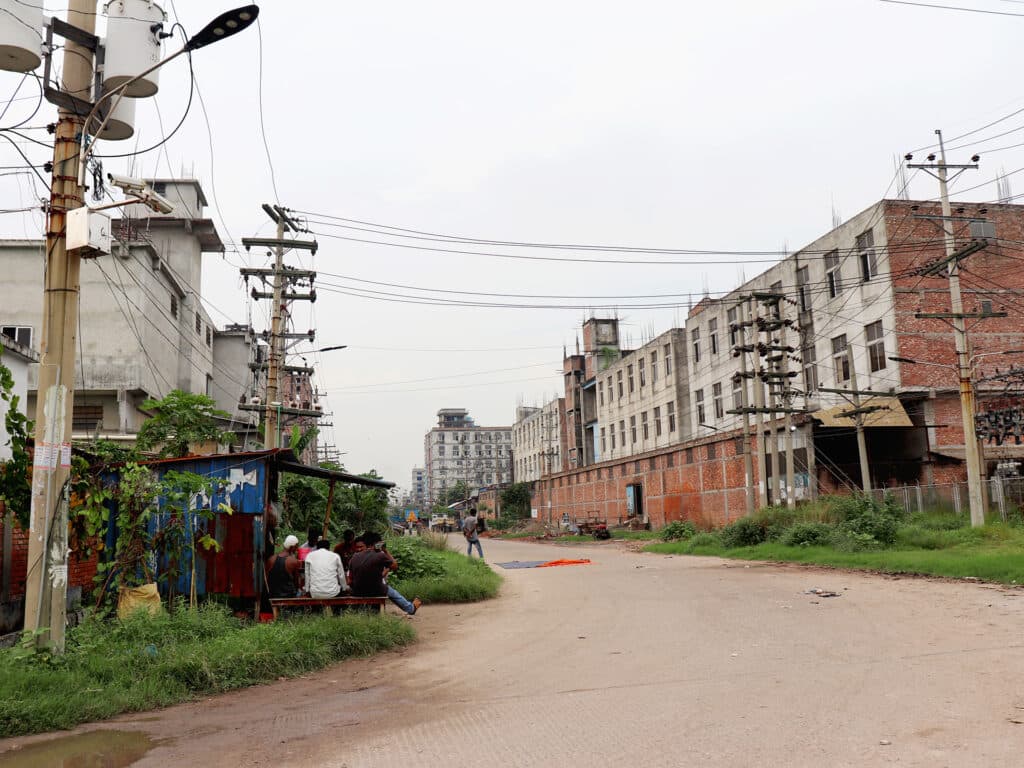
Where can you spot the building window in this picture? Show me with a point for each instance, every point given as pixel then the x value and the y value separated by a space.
pixel 713 335
pixel 643 425
pixel 629 375
pixel 600 392
pixel 632 429
pixel 86 417
pixel 22 334
pixel 876 345
pixel 809 355
pixel 199 323
pixel 642 371
pixel 209 336
pixel 622 432
pixel 668 360
pixel 603 445
pixel 840 362
pixel 689 455
pixel 868 256
pixel 654 367
pixel 612 430
pixel 618 378
pixel 712 451
pixel 716 399
pixel 695 340
pixel 671 409
pixel 832 274
pixel 174 307
pixel 737 393
pixel 657 422
pixel 803 289
pixel 698 398
pixel 731 319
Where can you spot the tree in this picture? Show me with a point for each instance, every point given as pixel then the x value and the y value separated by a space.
pixel 515 500
pixel 180 419
pixel 15 485
pixel 359 507
pixel 457 492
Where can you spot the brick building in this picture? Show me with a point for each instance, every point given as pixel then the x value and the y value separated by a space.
pixel 851 296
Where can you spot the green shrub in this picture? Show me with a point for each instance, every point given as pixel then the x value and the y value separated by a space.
pixel 807 534
pixel 776 520
pixel 745 532
pixel 705 539
pixel 678 530
pixel 861 516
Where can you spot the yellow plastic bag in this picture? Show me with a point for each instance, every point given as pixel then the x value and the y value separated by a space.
pixel 132 599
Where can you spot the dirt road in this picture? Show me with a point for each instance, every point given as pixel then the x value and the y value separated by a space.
pixel 649 660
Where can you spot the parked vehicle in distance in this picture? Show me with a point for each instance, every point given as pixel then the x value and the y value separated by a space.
pixel 443 523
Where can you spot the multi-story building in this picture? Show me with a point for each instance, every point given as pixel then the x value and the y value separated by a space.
pixel 641 398
pixel 143 330
pixel 458 450
pixel 864 301
pixel 418 488
pixel 537 441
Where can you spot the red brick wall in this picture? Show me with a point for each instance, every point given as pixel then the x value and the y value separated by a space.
pixel 81 571
pixel 680 483
pixel 993 274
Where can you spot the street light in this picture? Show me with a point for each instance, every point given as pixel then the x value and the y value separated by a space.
pixel 224 26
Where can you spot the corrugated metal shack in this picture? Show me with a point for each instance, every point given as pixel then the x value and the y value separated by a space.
pixel 250 490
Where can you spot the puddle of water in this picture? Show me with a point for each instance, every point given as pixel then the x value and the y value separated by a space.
pixel 94 749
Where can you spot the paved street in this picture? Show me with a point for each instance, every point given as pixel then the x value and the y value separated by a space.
pixel 652 660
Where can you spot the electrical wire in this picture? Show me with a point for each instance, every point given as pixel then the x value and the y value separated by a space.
pixel 263 128
pixel 951 8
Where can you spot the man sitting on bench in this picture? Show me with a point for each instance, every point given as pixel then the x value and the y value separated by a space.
pixel 368 568
pixel 325 576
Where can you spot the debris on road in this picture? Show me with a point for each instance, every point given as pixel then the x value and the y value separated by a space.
pixel 885 742
pixel 823 592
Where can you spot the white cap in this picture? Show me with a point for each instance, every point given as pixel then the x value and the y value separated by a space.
pixel 290 541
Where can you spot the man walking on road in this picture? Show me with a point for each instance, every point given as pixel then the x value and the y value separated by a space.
pixel 469 530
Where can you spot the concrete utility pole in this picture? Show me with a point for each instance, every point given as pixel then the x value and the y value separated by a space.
pixel 748 464
pixel 274 359
pixel 972 455
pixel 787 424
pixel 282 275
pixel 762 476
pixel 47 573
pixel 862 444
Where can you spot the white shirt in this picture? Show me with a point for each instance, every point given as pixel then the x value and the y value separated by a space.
pixel 325 576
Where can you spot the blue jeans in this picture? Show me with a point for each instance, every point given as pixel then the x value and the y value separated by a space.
pixel 469 548
pixel 396 598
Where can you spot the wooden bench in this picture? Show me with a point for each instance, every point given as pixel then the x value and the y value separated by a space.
pixel 276 603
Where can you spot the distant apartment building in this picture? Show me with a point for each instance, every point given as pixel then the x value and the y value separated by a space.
pixel 458 450
pixel 537 441
pixel 144 330
pixel 418 488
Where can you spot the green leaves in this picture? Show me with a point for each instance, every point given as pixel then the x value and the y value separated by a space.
pixel 15 485
pixel 180 420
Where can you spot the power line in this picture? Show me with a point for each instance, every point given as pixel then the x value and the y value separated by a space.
pixel 263 128
pixel 951 8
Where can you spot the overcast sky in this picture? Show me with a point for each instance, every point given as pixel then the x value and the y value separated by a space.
pixel 724 126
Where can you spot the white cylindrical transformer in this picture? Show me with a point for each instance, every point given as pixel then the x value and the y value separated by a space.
pixel 121 124
pixel 132 45
pixel 21 35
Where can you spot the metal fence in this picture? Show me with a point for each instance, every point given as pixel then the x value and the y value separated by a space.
pixel 1001 495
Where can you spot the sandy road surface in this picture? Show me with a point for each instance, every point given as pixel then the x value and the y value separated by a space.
pixel 650 660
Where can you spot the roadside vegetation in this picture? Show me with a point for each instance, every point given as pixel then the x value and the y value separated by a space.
pixel 429 570
pixel 143 662
pixel 860 533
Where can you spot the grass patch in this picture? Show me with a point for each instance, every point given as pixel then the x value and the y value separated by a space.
pixel 439 575
pixel 994 552
pixel 142 663
pixel 519 535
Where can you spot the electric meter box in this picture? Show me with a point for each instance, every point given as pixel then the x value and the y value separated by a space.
pixel 89 231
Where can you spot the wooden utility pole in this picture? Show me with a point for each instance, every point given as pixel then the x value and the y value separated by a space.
pixel 47 571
